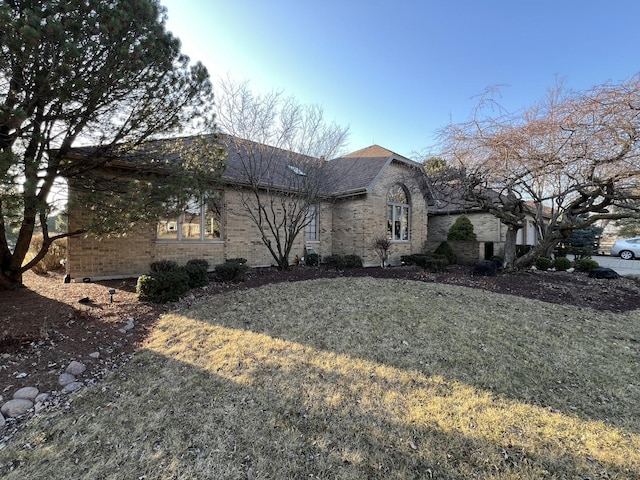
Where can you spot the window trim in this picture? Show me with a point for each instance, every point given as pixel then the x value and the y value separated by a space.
pixel 178 222
pixel 313 225
pixel 392 218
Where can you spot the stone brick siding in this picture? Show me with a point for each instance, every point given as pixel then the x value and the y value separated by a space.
pixel 131 255
pixel 357 221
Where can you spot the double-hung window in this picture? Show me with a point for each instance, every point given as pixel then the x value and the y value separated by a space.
pixel 398 213
pixel 199 221
pixel 311 232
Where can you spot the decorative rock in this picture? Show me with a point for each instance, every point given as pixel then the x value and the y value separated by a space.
pixel 94 354
pixel 602 272
pixel 26 393
pixel 128 326
pixel 16 407
pixel 43 397
pixel 76 368
pixel 72 387
pixel 66 379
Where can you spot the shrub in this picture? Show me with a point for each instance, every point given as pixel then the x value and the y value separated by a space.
pixel 461 230
pixel 498 260
pixel 197 271
pixel 335 262
pixel 431 262
pixel 312 259
pixel 231 271
pixel 543 263
pixel 352 261
pixel 52 260
pixel 238 260
pixel 434 263
pixel 162 287
pixel 561 264
pixel 586 264
pixel 382 245
pixel 163 266
pixel 446 249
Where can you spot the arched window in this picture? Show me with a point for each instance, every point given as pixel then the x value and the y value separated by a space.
pixel 398 214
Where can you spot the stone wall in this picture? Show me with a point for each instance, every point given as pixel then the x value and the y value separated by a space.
pixel 357 221
pixel 130 255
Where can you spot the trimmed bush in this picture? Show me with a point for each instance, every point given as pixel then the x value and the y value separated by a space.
pixel 239 260
pixel 446 249
pixel 561 264
pixel 461 230
pixel 231 271
pixel 543 263
pixel 352 261
pixel 586 264
pixel 334 262
pixel 162 287
pixel 163 266
pixel 197 271
pixel 499 261
pixel 431 262
pixel 312 259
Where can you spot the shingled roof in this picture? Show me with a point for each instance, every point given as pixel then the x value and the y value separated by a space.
pixel 351 174
pixel 357 172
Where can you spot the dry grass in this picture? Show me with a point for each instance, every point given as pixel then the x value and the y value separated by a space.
pixel 357 378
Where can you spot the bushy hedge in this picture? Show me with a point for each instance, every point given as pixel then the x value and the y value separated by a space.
pixel 163 266
pixel 232 270
pixel 446 249
pixel 352 261
pixel 431 262
pixel 340 262
pixel 334 262
pixel 562 264
pixel 586 264
pixel 163 286
pixel 543 263
pixel 167 281
pixel 197 271
pixel 311 259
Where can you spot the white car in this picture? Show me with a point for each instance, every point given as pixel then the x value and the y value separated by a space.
pixel 627 249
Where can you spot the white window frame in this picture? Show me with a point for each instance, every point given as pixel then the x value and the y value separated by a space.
pixel 399 217
pixel 177 223
pixel 312 225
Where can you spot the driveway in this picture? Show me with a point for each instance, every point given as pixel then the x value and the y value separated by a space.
pixel 623 267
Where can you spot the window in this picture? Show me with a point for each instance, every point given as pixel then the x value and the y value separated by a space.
pixel 311 227
pixel 199 221
pixel 398 213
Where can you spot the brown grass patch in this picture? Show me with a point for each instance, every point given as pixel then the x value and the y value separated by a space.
pixel 357 378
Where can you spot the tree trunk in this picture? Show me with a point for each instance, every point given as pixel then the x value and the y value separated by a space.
pixel 10 279
pixel 510 248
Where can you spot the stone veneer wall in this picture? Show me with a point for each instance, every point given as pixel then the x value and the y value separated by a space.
pixel 130 255
pixel 357 221
pixel 486 227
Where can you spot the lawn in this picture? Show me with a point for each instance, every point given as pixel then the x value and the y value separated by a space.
pixel 356 378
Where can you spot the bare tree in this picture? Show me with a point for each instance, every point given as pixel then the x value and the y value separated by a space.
pixel 276 159
pixel 571 160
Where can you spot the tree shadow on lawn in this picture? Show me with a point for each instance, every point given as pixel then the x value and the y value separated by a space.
pixel 575 361
pixel 248 406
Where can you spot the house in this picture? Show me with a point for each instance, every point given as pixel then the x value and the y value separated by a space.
pixel 363 195
pixel 449 203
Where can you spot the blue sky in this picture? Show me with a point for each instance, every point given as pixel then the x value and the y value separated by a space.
pixel 396 72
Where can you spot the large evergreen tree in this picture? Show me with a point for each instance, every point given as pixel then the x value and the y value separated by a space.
pixel 99 72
